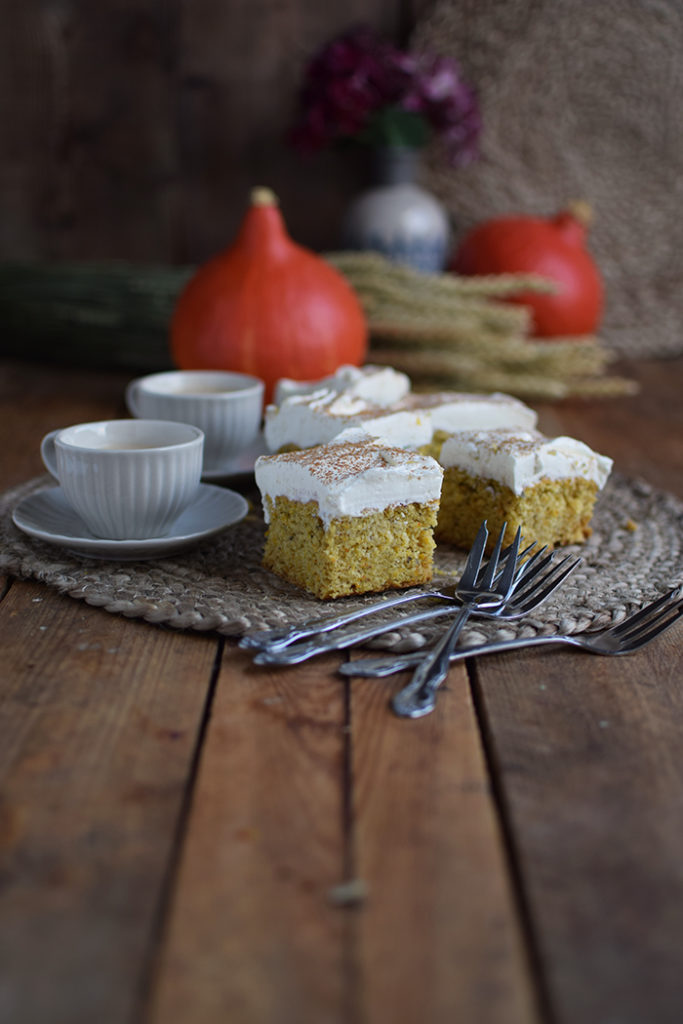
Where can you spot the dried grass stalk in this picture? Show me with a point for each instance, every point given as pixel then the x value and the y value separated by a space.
pixel 447 330
pixel 465 372
pixel 371 266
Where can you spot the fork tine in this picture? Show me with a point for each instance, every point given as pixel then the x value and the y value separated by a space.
pixel 635 628
pixel 546 570
pixel 533 596
pixel 507 580
pixel 528 576
pixel 665 619
pixel 525 567
pixel 492 565
pixel 474 558
pixel 521 555
pixel 627 624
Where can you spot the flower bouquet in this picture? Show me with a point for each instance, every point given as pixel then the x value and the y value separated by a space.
pixel 361 87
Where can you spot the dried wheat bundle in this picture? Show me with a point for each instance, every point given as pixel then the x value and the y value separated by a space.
pixel 446 330
pixel 584 356
pixel 364 266
pixel 442 317
pixel 464 372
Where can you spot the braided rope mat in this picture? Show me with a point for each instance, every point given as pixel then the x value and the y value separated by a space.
pixel 579 100
pixel 221 586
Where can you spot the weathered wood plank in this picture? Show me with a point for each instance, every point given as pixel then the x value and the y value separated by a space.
pixel 240 67
pixel 439 938
pixel 87 103
pixel 587 756
pixel 134 129
pixel 590 765
pixel 643 433
pixel 252 935
pixel 99 717
pixel 35 399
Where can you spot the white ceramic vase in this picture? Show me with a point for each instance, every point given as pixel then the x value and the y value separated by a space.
pixel 397 217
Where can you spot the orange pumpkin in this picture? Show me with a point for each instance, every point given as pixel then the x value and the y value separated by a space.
pixel 268 307
pixel 553 247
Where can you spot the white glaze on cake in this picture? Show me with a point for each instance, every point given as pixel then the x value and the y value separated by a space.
pixel 307 420
pixel 520 459
pixel 350 479
pixel 453 410
pixel 320 416
pixel 379 385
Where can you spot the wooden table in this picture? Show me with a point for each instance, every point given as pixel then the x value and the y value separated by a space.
pixel 175 824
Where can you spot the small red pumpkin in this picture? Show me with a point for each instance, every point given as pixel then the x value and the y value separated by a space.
pixel 268 307
pixel 554 248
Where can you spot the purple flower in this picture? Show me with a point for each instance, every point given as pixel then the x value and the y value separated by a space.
pixel 354 85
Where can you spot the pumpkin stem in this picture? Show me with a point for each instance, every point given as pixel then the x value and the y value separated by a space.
pixel 574 221
pixel 581 210
pixel 262 196
pixel 263 229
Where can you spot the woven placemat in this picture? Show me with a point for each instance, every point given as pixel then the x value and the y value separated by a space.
pixel 579 100
pixel 635 553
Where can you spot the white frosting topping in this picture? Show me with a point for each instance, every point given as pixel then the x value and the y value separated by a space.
pixel 380 385
pixel 320 416
pixel 520 459
pixel 349 479
pixel 451 411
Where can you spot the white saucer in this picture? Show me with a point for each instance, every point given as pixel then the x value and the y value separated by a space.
pixel 47 515
pixel 240 464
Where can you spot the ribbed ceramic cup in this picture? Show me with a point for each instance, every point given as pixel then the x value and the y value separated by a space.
pixel 126 479
pixel 227 407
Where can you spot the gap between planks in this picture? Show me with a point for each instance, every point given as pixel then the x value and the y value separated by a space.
pixel 518 888
pixel 306 781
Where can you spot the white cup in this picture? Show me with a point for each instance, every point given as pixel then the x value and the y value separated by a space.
pixel 126 479
pixel 227 407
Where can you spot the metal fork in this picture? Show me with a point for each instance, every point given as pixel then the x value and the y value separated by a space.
pixel 471 579
pixel 419 696
pixel 628 636
pixel 279 638
pixel 535 580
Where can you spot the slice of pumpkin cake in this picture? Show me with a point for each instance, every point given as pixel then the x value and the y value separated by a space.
pixel 418 421
pixel 379 385
pixel 349 518
pixel 546 486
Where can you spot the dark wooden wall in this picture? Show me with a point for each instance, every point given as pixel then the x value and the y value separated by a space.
pixel 134 129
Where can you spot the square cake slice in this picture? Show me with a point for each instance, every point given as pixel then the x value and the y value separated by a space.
pixel 416 421
pixel 379 385
pixel 349 518
pixel 546 486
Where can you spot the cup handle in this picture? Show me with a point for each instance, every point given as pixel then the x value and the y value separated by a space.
pixel 131 395
pixel 47 451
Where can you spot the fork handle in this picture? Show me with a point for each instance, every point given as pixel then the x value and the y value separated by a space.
pixel 419 696
pixel 294 654
pixel 276 639
pixel 388 665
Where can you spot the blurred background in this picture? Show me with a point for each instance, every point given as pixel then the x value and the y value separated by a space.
pixel 134 129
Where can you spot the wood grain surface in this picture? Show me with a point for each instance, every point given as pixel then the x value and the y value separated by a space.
pixel 253 933
pixel 440 939
pixel 587 755
pixel 100 719
pixel 187 838
pixel 135 129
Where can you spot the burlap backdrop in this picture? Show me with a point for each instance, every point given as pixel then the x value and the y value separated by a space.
pixel 580 100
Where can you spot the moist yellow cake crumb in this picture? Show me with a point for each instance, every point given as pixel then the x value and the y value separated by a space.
pixel 353 554
pixel 551 512
pixel 433 448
